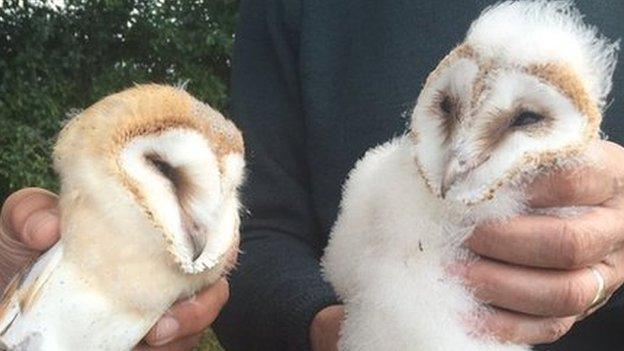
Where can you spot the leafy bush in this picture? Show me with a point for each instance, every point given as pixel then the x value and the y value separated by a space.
pixel 55 59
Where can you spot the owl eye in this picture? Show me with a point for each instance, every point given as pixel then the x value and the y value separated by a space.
pixel 446 105
pixel 526 118
pixel 166 170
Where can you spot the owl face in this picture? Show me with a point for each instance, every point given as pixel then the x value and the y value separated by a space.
pixel 164 161
pixel 184 169
pixel 523 92
pixel 187 190
pixel 479 123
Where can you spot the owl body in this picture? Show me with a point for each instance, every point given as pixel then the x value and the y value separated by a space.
pixel 149 215
pixel 521 96
pixel 400 237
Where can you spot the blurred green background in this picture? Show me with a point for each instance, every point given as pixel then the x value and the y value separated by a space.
pixel 57 57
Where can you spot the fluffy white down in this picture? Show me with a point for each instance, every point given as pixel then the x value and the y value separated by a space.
pixel 394 236
pixel 387 253
pixel 542 31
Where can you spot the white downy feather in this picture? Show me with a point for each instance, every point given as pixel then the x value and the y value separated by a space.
pixel 65 314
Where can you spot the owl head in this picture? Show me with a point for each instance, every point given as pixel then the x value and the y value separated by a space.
pixel 155 155
pixel 525 90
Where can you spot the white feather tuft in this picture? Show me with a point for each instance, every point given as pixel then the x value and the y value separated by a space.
pixel 540 31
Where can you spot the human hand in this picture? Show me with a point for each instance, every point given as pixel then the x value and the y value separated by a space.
pixel 325 328
pixel 534 270
pixel 29 224
pixel 181 327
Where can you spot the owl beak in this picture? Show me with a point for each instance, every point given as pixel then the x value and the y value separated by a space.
pixel 454 171
pixel 458 169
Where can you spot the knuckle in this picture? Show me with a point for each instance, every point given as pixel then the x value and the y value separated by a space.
pixel 572 245
pixel 571 298
pixel 555 329
pixel 20 205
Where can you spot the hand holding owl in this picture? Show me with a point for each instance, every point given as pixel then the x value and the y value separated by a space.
pixel 189 199
pixel 544 279
pixel 30 224
pixel 594 241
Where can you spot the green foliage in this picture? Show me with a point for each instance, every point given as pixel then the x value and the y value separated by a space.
pixel 209 342
pixel 57 59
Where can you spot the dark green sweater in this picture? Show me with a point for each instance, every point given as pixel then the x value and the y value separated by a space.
pixel 315 84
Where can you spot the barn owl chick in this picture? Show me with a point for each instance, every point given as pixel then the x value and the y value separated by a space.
pixel 149 215
pixel 523 93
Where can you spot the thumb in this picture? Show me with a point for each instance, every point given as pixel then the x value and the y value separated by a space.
pixel 29 223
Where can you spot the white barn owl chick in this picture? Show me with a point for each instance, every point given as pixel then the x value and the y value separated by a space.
pixel 522 94
pixel 149 214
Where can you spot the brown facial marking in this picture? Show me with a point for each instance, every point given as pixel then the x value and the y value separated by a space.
pixel 486 69
pixel 224 143
pixel 461 51
pixel 568 82
pixel 413 135
pixel 493 132
pixel 424 175
pixel 447 107
pixel 541 161
pixel 501 123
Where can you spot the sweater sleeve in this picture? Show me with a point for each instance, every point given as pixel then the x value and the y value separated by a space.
pixel 277 287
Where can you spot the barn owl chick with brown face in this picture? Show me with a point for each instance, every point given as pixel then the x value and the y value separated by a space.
pixel 149 215
pixel 523 94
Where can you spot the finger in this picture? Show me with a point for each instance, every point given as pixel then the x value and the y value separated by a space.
pixel 614 272
pixel 524 329
pixel 190 316
pixel 30 216
pixel 592 183
pixel 184 344
pixel 550 242
pixel 536 291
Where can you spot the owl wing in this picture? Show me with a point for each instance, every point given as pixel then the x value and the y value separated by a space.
pixel 24 289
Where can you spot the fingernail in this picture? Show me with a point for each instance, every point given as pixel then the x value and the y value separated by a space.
pixel 166 329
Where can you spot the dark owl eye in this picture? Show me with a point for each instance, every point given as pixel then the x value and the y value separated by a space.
pixel 164 168
pixel 526 118
pixel 446 105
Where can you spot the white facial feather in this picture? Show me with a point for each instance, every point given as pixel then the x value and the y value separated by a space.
pixel 179 149
pixel 509 89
